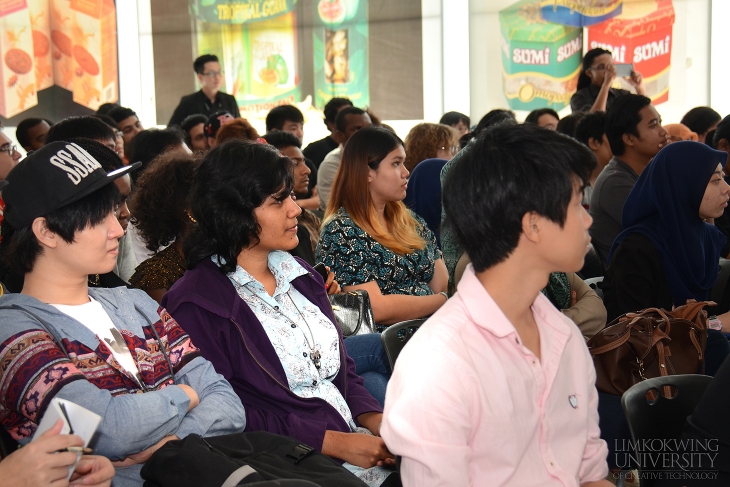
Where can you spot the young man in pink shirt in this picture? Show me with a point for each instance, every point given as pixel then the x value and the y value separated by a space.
pixel 498 388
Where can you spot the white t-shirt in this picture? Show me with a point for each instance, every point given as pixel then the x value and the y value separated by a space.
pixel 93 317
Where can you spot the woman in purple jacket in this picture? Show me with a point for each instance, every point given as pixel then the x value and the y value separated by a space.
pixel 262 317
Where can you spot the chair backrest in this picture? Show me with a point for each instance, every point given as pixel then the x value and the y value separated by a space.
pixel 662 418
pixel 595 284
pixel 395 337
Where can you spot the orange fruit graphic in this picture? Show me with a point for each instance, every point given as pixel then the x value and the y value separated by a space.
pixel 62 42
pixel 86 60
pixel 18 61
pixel 41 44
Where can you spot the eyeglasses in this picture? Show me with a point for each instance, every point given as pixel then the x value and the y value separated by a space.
pixel 454 149
pixel 213 74
pixel 10 149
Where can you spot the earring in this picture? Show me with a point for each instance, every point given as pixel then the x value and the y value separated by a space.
pixel 190 217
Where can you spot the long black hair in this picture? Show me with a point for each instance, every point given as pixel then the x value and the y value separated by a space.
pixel 583 80
pixel 700 119
pixel 233 180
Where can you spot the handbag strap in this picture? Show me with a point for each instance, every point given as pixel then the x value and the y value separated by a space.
pixel 635 317
pixel 698 347
pixel 614 344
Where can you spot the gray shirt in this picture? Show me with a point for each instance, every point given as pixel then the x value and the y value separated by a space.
pixel 326 176
pixel 612 188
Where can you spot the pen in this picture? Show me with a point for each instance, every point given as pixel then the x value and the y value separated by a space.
pixel 65 415
pixel 78 449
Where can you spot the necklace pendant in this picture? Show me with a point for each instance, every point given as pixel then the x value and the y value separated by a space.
pixel 316 356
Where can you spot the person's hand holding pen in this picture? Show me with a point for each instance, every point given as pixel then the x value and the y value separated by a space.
pixel 45 462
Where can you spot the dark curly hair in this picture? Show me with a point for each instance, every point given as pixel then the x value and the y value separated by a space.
pixel 233 180
pixel 159 203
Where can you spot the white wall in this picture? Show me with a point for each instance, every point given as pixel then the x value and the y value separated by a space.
pixel 719 66
pixel 136 62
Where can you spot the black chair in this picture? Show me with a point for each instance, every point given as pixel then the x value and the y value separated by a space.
pixel 7 444
pixel 395 337
pixel 656 409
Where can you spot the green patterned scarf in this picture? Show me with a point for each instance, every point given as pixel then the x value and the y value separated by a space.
pixel 558 290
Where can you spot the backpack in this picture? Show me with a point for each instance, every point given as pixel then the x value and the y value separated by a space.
pixel 243 459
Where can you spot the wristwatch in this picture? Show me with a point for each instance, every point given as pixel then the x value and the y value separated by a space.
pixel 713 323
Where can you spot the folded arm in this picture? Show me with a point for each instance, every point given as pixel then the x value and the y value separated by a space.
pixel 392 308
pixel 588 312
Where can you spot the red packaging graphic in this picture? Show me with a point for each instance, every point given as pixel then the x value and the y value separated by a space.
pixel 642 36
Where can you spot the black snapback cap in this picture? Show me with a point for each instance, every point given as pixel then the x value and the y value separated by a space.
pixel 57 175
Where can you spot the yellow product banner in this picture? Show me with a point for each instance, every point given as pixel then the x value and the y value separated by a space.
pixel 236 12
pixel 529 92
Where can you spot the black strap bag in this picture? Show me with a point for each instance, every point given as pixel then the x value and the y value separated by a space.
pixel 353 313
pixel 257 458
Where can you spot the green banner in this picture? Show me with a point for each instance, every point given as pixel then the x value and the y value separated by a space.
pixel 260 59
pixel 341 51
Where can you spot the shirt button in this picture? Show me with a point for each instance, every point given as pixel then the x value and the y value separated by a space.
pixel 293 325
pixel 305 354
pixel 276 308
pixel 314 383
pixel 534 362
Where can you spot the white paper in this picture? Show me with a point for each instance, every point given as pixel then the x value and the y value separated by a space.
pixel 83 422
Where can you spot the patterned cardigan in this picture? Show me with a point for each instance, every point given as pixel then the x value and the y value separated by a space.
pixel 36 367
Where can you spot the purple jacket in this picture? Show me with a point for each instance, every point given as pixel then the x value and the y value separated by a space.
pixel 207 306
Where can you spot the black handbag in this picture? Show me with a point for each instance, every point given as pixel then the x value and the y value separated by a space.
pixel 353 313
pixel 241 459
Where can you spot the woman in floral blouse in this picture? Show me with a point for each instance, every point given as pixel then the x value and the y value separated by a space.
pixel 371 241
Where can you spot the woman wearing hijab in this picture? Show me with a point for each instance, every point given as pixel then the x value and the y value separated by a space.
pixel 669 249
pixel 667 253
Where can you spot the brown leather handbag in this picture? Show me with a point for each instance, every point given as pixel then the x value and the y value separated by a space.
pixel 650 343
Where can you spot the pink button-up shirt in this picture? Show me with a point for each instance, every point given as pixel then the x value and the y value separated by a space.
pixel 469 404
